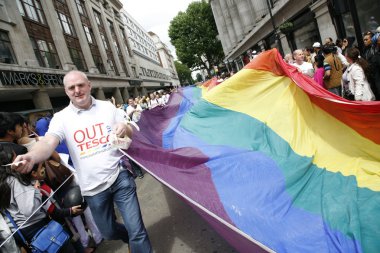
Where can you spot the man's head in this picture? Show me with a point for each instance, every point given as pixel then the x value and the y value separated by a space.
pixel 11 125
pixel 131 101
pixel 316 46
pixel 328 49
pixel 328 41
pixel 78 89
pixel 298 56
pixel 367 39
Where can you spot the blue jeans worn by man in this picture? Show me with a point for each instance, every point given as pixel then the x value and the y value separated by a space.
pixel 123 194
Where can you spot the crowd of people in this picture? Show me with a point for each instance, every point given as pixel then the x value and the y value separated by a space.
pixel 136 105
pixel 343 68
pixel 24 193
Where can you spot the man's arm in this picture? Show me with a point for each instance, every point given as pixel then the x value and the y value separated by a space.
pixel 41 151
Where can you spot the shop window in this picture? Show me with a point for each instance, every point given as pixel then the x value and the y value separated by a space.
pixel 369 15
pixel 306 35
pixel 349 27
pixel 6 51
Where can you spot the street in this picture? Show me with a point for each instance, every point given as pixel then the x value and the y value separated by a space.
pixel 173 226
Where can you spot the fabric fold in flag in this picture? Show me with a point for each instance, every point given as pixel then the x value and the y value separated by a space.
pixel 270 159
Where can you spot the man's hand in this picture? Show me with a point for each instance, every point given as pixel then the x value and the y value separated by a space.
pixel 23 163
pixel 122 129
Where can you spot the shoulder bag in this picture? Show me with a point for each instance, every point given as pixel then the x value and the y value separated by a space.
pixel 48 239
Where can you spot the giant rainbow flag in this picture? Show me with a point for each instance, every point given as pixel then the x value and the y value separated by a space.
pixel 271 160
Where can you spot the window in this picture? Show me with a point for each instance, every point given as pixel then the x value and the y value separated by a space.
pixel 369 15
pixel 116 46
pixel 81 7
pixel 111 65
pixel 66 23
pixel 104 41
pixel 6 51
pixel 78 59
pixel 99 64
pixel 110 25
pixel 97 18
pixel 31 9
pixel 88 33
pixel 45 53
pixel 20 8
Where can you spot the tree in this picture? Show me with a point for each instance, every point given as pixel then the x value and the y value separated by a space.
pixel 194 35
pixel 184 73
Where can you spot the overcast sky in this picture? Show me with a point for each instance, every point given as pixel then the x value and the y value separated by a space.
pixel 155 15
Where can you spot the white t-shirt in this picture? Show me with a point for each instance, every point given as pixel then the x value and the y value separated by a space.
pixel 153 103
pixel 134 112
pixel 86 133
pixel 306 68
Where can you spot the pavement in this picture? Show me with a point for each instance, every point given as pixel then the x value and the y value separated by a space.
pixel 173 226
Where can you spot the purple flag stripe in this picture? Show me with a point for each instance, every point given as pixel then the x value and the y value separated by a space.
pixel 185 169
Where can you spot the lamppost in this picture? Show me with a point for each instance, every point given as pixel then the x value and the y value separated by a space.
pixel 276 37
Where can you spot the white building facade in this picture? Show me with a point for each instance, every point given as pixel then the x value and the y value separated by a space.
pixel 148 63
pixel 166 58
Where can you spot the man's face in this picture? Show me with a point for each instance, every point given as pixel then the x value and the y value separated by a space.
pixel 367 40
pixel 78 89
pixel 299 56
pixel 131 102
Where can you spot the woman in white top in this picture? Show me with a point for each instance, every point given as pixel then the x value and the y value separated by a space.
pixel 354 79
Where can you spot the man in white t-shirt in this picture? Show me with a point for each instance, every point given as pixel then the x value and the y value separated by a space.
pixel 305 68
pixel 133 110
pixel 86 125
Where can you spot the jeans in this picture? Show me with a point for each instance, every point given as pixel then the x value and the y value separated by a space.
pixel 123 193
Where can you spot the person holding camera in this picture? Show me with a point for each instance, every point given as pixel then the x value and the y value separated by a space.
pixel 333 68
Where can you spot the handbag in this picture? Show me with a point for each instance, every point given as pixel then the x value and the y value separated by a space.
pixel 56 174
pixel 48 239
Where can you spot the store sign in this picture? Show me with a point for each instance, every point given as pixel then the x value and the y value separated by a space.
pixel 11 78
pixel 153 73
